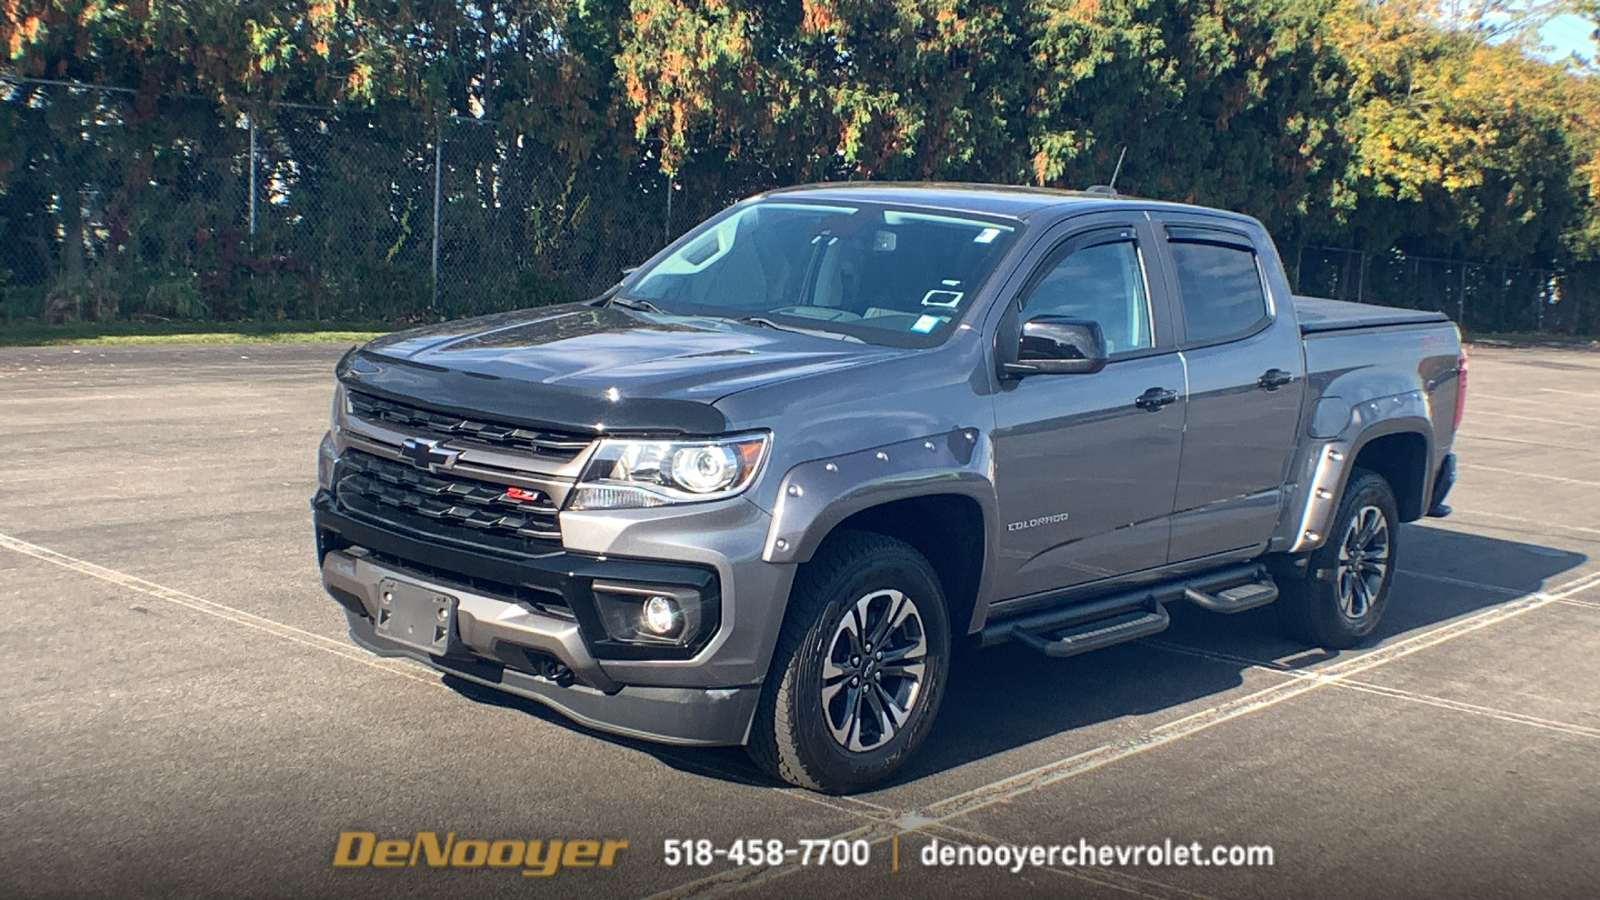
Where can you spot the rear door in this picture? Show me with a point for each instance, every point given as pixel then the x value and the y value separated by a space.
pixel 1085 473
pixel 1246 374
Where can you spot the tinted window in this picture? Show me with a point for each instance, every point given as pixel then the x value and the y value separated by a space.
pixel 1103 283
pixel 865 270
pixel 1221 289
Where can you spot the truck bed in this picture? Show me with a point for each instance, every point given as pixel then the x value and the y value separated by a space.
pixel 1318 314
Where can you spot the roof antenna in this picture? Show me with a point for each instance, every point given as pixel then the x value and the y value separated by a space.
pixel 1118 170
pixel 1110 190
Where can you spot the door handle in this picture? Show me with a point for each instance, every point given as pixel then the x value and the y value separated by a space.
pixel 1155 398
pixel 1272 379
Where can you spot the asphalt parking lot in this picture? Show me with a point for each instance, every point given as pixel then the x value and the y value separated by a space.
pixel 183 716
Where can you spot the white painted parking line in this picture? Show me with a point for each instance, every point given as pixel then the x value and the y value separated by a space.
pixel 882 823
pixel 219 610
pixel 1026 782
pixel 1539 475
pixel 1007 789
pixel 1460 582
pixel 1545 524
pixel 1368 687
pixel 1543 420
pixel 404 668
pixel 1488 712
pixel 1506 440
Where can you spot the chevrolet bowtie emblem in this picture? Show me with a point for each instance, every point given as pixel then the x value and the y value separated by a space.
pixel 426 454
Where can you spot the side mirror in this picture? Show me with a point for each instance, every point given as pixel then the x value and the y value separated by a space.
pixel 1058 345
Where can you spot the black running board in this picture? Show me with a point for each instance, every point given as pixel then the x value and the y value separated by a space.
pixel 1235 599
pixel 1077 627
pixel 1093 635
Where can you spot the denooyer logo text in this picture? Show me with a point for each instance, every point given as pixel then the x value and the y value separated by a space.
pixel 358 849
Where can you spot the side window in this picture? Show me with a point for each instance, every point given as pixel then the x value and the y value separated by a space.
pixel 1103 283
pixel 1220 285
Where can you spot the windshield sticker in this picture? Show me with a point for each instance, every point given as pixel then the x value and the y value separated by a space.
pixel 946 299
pixel 928 323
pixel 986 236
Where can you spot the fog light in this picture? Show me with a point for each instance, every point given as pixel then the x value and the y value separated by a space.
pixel 663 618
pixel 660 616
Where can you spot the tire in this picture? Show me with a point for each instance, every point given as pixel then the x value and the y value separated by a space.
pixel 1338 601
pixel 804 731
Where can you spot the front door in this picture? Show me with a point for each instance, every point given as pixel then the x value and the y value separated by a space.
pixel 1086 470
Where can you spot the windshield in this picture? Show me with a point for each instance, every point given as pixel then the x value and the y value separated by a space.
pixel 880 274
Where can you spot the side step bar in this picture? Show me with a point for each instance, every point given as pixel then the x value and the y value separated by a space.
pixel 1234 599
pixel 1075 628
pixel 1100 633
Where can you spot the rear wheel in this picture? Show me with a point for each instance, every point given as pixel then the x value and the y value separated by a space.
pixel 859 669
pixel 1345 590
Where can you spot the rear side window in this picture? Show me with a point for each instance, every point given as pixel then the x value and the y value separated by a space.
pixel 1221 289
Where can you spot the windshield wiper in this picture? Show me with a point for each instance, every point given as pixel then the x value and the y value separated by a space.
pixel 632 303
pixel 765 322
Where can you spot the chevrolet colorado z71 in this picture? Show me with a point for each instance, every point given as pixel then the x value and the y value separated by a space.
pixel 757 492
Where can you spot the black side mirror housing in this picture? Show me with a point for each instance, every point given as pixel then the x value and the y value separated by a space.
pixel 1058 345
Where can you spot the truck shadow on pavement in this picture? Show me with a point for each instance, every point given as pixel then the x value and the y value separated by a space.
pixel 1010 696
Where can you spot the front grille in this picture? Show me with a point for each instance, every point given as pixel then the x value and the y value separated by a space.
pixel 554 445
pixel 541 600
pixel 443 505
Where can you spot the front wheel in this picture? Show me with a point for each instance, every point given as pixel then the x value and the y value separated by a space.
pixel 859 669
pixel 1346 586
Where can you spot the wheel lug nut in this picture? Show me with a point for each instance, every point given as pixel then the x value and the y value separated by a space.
pixel 880 654
pixel 854 682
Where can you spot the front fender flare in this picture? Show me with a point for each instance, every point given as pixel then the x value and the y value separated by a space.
pixel 815 496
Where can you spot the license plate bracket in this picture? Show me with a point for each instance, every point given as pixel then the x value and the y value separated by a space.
pixel 416 616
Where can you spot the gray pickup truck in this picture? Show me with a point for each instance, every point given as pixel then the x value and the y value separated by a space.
pixel 759 492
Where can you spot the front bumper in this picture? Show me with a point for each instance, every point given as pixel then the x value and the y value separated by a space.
pixel 557 654
pixel 706 717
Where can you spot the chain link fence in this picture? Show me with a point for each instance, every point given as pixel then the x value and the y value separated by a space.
pixel 117 206
pixel 114 206
pixel 1481 298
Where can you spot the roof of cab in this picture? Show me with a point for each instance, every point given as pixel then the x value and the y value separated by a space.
pixel 1011 201
pixel 993 199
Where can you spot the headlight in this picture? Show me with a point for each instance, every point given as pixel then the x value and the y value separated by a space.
pixel 633 474
pixel 327 458
pixel 327 452
pixel 339 408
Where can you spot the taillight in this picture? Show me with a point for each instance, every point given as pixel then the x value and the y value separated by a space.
pixel 1461 389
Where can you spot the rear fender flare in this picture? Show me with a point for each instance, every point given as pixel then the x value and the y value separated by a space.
pixel 1326 466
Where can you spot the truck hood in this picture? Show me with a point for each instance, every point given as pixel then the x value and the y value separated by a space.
pixel 593 369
